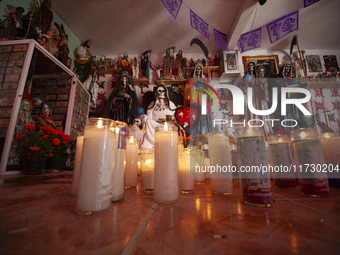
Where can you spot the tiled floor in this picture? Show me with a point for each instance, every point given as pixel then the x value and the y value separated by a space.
pixel 38 216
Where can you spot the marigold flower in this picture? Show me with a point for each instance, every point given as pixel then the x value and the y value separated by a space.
pixel 198 143
pixel 60 132
pixel 53 131
pixel 49 155
pixel 44 136
pixel 64 142
pixel 34 148
pixel 46 129
pixel 66 137
pixel 29 127
pixel 188 138
pixel 19 137
pixel 55 141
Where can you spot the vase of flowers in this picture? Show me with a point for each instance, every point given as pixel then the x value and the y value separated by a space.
pixel 59 144
pixel 33 150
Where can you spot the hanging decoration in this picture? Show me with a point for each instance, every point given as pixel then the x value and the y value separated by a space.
pixel 221 40
pixel 199 24
pixel 250 40
pixel 309 2
pixel 283 26
pixel 172 6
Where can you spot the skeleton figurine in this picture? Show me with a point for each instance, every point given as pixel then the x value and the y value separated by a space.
pixel 135 68
pixel 135 129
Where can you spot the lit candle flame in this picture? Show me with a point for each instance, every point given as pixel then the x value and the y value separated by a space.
pixel 250 131
pixel 327 136
pixel 131 139
pixel 303 134
pixel 117 130
pixel 100 123
pixel 166 126
pixel 280 140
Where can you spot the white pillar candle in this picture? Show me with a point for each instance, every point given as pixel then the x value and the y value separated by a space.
pixel 166 164
pixel 251 150
pixel 131 169
pixel 95 186
pixel 185 182
pixel 148 169
pixel 118 164
pixel 196 161
pixel 221 180
pixel 77 163
pixel 279 155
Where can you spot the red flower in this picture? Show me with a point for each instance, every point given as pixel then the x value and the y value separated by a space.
pixel 49 155
pixel 44 136
pixel 34 148
pixel 19 137
pixel 53 131
pixel 60 132
pixel 29 127
pixel 64 142
pixel 55 141
pixel 66 137
pixel 46 129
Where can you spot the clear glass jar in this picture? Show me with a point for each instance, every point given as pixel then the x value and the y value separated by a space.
pixel 185 182
pixel 280 161
pixel 118 173
pixel 309 158
pixel 330 145
pixel 196 162
pixel 166 164
pixel 95 187
pixel 131 169
pixel 252 155
pixel 148 169
pixel 221 175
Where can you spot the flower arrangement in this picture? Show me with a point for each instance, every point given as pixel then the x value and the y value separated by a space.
pixel 32 144
pixel 58 140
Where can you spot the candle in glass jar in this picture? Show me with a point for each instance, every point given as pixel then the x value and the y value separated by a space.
pixel 330 144
pixel 131 169
pixel 279 156
pixel 77 164
pixel 148 169
pixel 196 162
pixel 95 188
pixel 118 164
pixel 221 180
pixel 308 151
pixel 185 182
pixel 166 164
pixel 251 150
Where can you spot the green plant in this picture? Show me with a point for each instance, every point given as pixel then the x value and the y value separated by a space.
pixel 32 144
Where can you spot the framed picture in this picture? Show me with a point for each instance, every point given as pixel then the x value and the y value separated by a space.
pixel 230 61
pixel 314 63
pixel 267 64
pixel 331 63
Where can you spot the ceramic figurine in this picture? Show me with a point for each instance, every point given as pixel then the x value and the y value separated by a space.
pixel 168 63
pixel 135 68
pixel 125 63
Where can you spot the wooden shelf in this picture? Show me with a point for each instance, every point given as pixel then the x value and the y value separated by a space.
pixel 171 82
pixel 109 71
pixel 326 85
pixel 208 69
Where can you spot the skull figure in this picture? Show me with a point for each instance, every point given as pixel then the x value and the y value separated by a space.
pixel 161 92
pixel 46 110
pixel 137 122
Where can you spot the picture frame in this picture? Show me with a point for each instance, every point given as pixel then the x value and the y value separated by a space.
pixel 331 63
pixel 230 60
pixel 314 63
pixel 270 63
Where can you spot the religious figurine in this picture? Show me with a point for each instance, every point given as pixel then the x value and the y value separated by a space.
pixel 168 62
pixel 158 72
pixel 194 96
pixel 125 63
pixel 62 49
pixel 53 40
pixel 123 102
pixel 84 63
pixel 146 64
pixel 45 119
pixel 297 66
pixel 135 68
pixel 135 130
pixel 286 71
pixel 156 113
pixel 180 64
